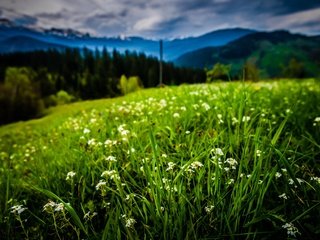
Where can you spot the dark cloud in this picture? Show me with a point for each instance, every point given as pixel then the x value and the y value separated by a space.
pixel 293 6
pixel 165 18
pixel 51 15
pixel 167 27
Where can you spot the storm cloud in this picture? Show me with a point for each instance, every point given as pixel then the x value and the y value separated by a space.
pixel 164 18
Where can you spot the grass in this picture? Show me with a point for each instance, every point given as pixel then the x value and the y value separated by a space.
pixel 225 160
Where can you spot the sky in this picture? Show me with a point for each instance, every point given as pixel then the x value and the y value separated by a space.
pixel 164 18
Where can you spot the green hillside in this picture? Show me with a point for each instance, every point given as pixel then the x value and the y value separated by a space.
pixel 276 54
pixel 219 161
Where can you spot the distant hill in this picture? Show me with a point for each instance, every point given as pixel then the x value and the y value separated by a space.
pixel 177 47
pixel 71 38
pixel 25 44
pixel 271 52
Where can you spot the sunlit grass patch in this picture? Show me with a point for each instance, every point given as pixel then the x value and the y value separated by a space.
pixel 224 160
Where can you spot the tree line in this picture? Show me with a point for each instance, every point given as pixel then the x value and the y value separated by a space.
pixel 32 81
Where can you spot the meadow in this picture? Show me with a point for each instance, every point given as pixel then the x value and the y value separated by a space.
pixel 206 161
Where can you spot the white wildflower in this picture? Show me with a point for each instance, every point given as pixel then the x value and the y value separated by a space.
pixel 187 132
pixel 86 131
pixel 89 216
pixel 278 175
pixel 163 103
pixel 232 162
pixel 129 196
pixel 246 119
pixel 109 143
pixel 220 118
pixel 49 206
pixel 70 175
pixel 59 207
pixel 101 185
pixel 92 142
pixel 171 166
pixel 112 174
pixel 196 165
pixel 316 121
pixel 234 121
pixel 176 115
pixel 205 106
pixel 291 182
pixel 300 180
pixel 291 229
pixel 195 106
pixel 53 207
pixel 130 222
pixel 317 179
pixel 283 196
pixel 258 153
pixel 209 208
pixel 230 181
pixel 111 159
pixel 217 152
pixel 122 130
pixel 18 209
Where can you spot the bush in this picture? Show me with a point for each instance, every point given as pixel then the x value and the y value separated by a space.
pixel 20 97
pixel 63 97
pixel 130 85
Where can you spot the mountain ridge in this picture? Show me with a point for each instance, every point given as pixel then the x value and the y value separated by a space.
pixel 271 52
pixel 72 38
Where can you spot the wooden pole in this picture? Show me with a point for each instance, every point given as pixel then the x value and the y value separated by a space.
pixel 160 63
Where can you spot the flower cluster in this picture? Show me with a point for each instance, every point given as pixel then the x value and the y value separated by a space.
pixel 88 216
pixel 18 209
pixel 123 132
pixel 194 166
pixel 283 196
pixel 209 208
pixel 111 159
pixel 246 119
pixel 291 229
pixel 316 121
pixel 52 206
pixel 70 175
pixel 111 174
pixel 232 163
pixel 171 166
pixel 101 185
pixel 129 222
pixel 317 179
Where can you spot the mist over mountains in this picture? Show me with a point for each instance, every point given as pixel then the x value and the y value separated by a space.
pixel 271 52
pixel 14 38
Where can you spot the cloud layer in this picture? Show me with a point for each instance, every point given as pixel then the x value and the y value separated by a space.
pixel 164 18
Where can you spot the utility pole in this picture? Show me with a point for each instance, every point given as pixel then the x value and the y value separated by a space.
pixel 160 63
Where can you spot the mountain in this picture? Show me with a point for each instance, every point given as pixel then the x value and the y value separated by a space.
pixel 177 47
pixel 74 39
pixel 24 44
pixel 271 52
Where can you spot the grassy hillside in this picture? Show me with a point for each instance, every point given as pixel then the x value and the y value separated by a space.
pixel 226 160
pixel 271 52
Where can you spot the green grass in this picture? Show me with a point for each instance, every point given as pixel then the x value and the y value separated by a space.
pixel 225 160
